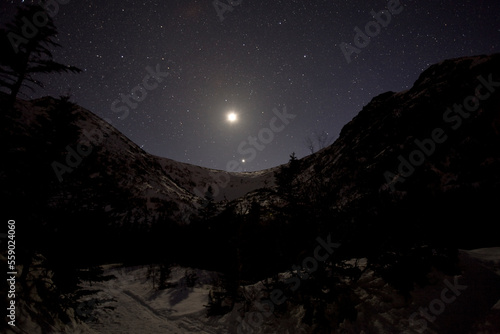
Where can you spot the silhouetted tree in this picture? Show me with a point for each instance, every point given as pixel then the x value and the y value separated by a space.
pixel 165 272
pixel 223 295
pixel 210 208
pixel 26 49
pixel 286 178
pixel 317 141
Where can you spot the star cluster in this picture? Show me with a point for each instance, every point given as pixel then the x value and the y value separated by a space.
pixel 167 73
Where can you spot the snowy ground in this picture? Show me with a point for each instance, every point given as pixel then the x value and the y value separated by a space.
pixel 130 304
pixel 142 309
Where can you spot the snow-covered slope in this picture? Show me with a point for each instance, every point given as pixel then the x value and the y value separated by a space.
pixel 91 162
pixel 130 304
pixel 225 185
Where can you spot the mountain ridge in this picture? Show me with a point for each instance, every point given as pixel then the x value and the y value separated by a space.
pixel 357 178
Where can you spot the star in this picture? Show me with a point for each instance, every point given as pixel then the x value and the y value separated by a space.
pixel 172 58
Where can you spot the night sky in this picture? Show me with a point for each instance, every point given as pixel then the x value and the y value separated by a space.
pixel 257 57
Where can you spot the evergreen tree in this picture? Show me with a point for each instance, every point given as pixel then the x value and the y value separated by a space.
pixel 294 214
pixel 152 273
pixel 26 49
pixel 165 272
pixel 223 295
pixel 210 208
pixel 286 178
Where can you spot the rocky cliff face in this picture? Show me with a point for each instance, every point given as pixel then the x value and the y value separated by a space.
pixel 427 157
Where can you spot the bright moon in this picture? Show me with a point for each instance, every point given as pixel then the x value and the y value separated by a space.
pixel 231 117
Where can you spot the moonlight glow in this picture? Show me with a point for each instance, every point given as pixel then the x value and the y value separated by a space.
pixel 263 55
pixel 232 117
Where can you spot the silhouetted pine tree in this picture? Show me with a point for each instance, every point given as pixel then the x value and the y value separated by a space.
pixel 165 272
pixel 209 209
pixel 286 178
pixel 26 49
